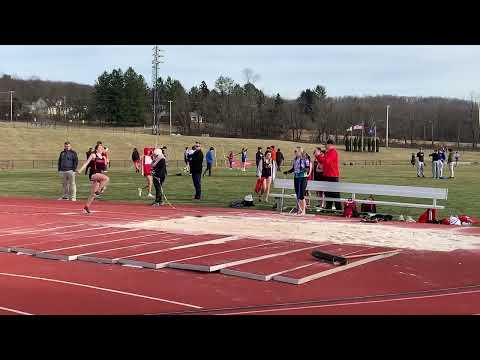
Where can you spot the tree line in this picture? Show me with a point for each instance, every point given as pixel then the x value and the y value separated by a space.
pixel 243 110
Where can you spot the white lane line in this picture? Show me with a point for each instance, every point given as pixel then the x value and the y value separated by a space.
pixel 41 230
pixel 14 311
pixel 352 303
pixel 81 237
pixel 207 242
pixel 113 291
pixel 99 243
pixel 130 246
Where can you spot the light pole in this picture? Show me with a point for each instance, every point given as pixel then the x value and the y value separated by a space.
pixel 386 135
pixel 170 103
pixel 11 106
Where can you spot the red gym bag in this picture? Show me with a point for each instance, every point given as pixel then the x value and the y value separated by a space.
pixel 258 185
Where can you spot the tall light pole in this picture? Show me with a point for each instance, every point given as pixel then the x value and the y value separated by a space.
pixel 386 135
pixel 170 103
pixel 11 106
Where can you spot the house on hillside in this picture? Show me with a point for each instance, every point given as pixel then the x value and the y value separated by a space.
pixel 37 107
pixel 196 118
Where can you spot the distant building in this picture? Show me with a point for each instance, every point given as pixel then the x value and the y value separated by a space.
pixel 196 118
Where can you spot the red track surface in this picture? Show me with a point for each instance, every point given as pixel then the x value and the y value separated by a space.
pixel 413 282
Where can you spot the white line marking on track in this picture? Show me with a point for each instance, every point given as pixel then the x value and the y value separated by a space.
pixel 41 230
pixel 101 242
pixel 14 311
pixel 352 303
pixel 130 246
pixel 113 291
pixel 207 242
pixel 60 240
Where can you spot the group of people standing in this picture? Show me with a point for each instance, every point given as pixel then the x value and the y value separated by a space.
pixel 440 158
pixel 323 167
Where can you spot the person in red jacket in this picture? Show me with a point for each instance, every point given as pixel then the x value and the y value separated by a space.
pixel 330 161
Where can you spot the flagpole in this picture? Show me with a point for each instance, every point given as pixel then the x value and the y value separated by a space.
pixel 363 126
pixel 375 139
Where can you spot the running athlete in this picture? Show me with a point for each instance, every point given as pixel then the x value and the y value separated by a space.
pixel 97 164
pixel 147 171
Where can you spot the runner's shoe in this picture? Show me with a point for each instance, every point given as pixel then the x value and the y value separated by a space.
pixel 86 210
pixel 151 196
pixel 139 192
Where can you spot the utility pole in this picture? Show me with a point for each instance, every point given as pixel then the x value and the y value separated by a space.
pixel 156 60
pixel 170 103
pixel 386 135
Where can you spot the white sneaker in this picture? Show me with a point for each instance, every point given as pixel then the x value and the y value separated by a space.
pixel 74 199
pixel 151 196
pixel 139 192
pixel 63 198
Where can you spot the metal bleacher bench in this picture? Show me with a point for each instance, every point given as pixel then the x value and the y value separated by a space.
pixel 354 189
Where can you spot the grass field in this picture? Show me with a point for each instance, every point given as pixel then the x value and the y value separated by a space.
pixel 226 185
pixel 22 143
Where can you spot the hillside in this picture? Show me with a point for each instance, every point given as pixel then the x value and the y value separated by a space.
pixel 21 143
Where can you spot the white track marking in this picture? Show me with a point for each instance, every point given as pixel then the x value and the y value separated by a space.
pixel 113 291
pixel 129 246
pixel 207 242
pixel 352 303
pixel 81 237
pixel 14 311
pixel 98 243
pixel 41 230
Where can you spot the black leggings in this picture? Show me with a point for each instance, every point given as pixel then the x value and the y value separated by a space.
pixel 300 187
pixel 158 182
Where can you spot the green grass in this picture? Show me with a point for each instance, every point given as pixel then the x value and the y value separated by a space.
pixel 226 185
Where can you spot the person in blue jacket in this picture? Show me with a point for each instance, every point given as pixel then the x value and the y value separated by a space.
pixel 209 157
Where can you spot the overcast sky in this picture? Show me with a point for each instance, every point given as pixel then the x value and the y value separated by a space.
pixel 448 71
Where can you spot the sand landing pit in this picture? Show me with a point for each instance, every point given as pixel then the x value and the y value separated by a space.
pixel 292 228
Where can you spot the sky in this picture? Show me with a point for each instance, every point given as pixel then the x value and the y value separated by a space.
pixel 359 70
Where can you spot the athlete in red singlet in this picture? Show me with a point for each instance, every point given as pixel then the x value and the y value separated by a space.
pixel 147 170
pixel 98 164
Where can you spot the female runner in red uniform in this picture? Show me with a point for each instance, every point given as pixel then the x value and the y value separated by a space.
pixel 147 171
pixel 98 164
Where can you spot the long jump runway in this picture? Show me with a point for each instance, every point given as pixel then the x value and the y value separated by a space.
pixel 108 268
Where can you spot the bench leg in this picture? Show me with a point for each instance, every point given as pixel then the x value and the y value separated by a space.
pixel 279 202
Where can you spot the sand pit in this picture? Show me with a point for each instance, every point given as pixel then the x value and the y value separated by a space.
pixel 290 228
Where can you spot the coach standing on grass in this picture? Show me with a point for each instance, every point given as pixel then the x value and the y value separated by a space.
pixel 331 173
pixel 196 164
pixel 67 165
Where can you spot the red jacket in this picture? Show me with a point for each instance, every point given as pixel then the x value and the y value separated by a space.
pixel 330 163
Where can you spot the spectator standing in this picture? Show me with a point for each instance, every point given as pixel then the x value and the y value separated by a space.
pixel 244 158
pixel 442 157
pixel 264 172
pixel 67 165
pixel 185 158
pixel 209 157
pixel 318 173
pixel 230 160
pixel 457 156
pixel 196 164
pixel 258 156
pixel 159 172
pixel 301 168
pixel 451 163
pixel 280 159
pixel 136 160
pixel 331 173
pixel 435 164
pixel 412 159
pixel 420 163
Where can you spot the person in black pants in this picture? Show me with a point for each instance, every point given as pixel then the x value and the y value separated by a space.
pixel 159 172
pixel 196 164
pixel 280 159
